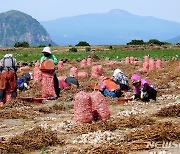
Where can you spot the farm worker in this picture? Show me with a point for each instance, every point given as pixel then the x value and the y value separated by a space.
pixel 108 87
pixel 121 79
pixel 47 55
pixel 72 81
pixel 69 82
pixel 23 82
pixel 143 89
pixel 8 77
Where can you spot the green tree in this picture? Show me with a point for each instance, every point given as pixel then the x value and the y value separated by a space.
pixel 82 43
pixel 155 41
pixel 21 44
pixel 136 42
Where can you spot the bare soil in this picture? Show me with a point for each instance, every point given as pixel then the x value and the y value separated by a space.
pixel 47 127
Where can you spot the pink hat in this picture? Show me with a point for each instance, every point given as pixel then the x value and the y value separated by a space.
pixel 135 78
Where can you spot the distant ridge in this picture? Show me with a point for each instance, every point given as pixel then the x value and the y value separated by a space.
pixel 174 40
pixel 16 26
pixel 114 27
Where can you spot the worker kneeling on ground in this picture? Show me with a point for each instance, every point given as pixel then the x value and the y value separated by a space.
pixel 108 87
pixel 143 89
pixel 23 82
pixel 69 82
pixel 121 80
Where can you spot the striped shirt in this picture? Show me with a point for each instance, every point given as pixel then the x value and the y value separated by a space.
pixel 121 78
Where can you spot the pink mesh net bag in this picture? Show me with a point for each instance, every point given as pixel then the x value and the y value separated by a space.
pixel 131 59
pixel 24 68
pixel 74 71
pixel 127 60
pixel 158 64
pixel 96 71
pixel 8 97
pixel 83 63
pixel 143 70
pixel 83 108
pixel 146 58
pixel 47 86
pixel 60 65
pixel 89 61
pixel 146 65
pixel 151 64
pixel 82 74
pixel 37 76
pixel 100 107
pixel 61 78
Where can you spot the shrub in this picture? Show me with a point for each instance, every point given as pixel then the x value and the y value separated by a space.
pixel 110 47
pixel 21 44
pixel 136 42
pixel 73 49
pixel 88 49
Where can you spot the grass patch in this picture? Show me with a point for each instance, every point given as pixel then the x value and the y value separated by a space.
pixel 32 54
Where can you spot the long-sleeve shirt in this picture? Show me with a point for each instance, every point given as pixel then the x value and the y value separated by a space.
pixel 51 57
pixel 121 78
pixel 142 86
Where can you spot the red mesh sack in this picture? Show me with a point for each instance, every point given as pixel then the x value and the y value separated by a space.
pixel 100 69
pixel 37 76
pixel 61 78
pixel 89 61
pixel 74 71
pixel 83 63
pixel 37 64
pixel 8 97
pixel 127 60
pixel 151 64
pixel 146 59
pixel 111 63
pixel 146 65
pixel 131 59
pixel 158 64
pixel 82 74
pixel 83 108
pixel 24 68
pixel 143 70
pixel 100 107
pixel 96 71
pixel 60 65
pixel 135 62
pixel 47 86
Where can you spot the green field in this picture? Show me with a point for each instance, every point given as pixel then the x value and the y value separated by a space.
pixel 33 54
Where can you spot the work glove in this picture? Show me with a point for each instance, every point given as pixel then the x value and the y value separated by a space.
pixel 142 95
pixel 133 97
pixel 26 86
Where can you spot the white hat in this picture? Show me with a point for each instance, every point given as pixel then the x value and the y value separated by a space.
pixel 8 55
pixel 116 72
pixel 47 49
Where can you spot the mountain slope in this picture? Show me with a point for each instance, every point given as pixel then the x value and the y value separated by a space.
pixel 174 40
pixel 16 26
pixel 114 27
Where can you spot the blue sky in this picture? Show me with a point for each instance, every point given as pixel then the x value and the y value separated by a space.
pixel 44 10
